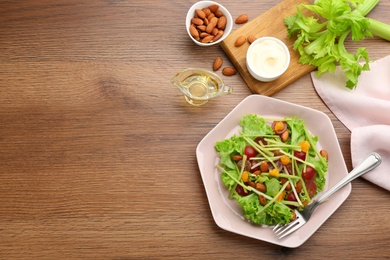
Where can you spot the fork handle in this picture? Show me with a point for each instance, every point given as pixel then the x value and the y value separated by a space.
pixel 370 162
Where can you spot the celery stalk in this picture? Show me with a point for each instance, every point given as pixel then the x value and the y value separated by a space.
pixel 379 29
pixel 366 6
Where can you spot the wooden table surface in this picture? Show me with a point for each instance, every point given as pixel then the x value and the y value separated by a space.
pixel 97 148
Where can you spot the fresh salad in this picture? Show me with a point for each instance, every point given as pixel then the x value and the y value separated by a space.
pixel 271 167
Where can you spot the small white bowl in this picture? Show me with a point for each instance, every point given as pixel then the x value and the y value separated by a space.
pixel 204 4
pixel 267 59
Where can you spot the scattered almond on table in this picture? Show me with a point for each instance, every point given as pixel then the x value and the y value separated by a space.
pixel 243 18
pixel 229 71
pixel 217 63
pixel 208 25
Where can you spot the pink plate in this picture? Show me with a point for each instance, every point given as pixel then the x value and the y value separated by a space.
pixel 227 213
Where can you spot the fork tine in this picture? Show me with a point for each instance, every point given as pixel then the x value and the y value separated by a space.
pixel 281 228
pixel 290 229
pixel 276 227
pixel 284 230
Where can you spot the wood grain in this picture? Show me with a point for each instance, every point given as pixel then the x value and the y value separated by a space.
pixel 269 23
pixel 97 147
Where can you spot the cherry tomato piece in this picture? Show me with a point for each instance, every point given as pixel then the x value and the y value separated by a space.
pixel 309 174
pixel 240 190
pixel 300 155
pixel 250 152
pixel 291 197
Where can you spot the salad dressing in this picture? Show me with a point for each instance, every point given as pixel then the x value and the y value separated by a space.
pixel 268 58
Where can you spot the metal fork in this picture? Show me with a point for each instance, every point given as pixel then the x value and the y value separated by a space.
pixel 368 163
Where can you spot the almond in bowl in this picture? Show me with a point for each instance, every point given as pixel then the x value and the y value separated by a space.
pixel 208 23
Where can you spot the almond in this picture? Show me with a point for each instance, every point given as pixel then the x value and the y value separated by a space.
pixel 212 23
pixel 206 21
pixel 263 200
pixel 197 21
pixel 194 32
pixel 200 13
pixel 218 13
pixel 324 154
pixel 229 71
pixel 240 41
pixel 217 63
pixel 204 34
pixel 222 22
pixel 211 15
pixel 218 36
pixel 201 27
pixel 208 38
pixel 213 8
pixel 242 19
pixel 206 11
pixel 251 38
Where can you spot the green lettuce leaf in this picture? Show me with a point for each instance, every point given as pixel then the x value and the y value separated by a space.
pixel 229 147
pixel 253 211
pixel 273 187
pixel 254 125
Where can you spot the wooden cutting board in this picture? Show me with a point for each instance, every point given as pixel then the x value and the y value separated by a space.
pixel 270 23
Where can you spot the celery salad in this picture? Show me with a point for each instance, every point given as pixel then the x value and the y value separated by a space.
pixel 271 167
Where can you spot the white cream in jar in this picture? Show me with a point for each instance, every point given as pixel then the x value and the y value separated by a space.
pixel 267 58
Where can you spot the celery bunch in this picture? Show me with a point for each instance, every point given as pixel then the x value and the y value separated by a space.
pixel 321 37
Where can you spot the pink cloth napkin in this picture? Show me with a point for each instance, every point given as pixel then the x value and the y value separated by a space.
pixel 365 111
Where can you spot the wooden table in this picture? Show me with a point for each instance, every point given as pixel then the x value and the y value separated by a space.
pixel 97 148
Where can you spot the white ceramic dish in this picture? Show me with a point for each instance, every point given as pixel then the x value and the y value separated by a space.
pixel 227 213
pixel 265 51
pixel 204 4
